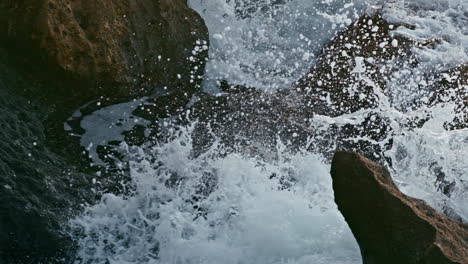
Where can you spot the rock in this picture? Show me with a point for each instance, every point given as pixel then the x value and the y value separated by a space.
pixel 38 188
pixel 389 226
pixel 344 80
pixel 350 75
pixel 359 72
pixel 250 120
pixel 112 51
pixel 354 67
pixel 247 115
pixel 452 86
pixel 108 43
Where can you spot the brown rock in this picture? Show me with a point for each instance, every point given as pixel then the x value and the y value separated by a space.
pixel 350 73
pixel 108 42
pixel 389 226
pixel 338 84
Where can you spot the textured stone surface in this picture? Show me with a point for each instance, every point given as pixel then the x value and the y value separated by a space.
pixel 360 69
pixel 389 226
pixel 352 66
pixel 38 188
pixel 108 42
pixel 336 85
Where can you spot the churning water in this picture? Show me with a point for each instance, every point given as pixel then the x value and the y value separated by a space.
pixel 268 44
pixel 212 209
pixel 237 208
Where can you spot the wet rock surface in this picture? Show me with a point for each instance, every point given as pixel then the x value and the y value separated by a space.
pixel 353 78
pixel 350 75
pixel 354 67
pixel 356 73
pixel 39 189
pixel 102 53
pixel 452 86
pixel 115 48
pixel 389 226
pixel 248 119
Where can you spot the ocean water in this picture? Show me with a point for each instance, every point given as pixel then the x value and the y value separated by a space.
pixel 235 207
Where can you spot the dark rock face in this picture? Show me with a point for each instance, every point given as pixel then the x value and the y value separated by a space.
pixel 351 74
pixel 355 72
pixel 389 226
pixel 108 43
pixel 111 51
pixel 251 120
pixel 39 189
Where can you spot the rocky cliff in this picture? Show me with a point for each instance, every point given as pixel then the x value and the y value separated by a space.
pixel 389 226
pixel 107 44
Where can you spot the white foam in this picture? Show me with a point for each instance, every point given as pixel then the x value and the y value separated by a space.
pixel 441 21
pixel 421 155
pixel 108 124
pixel 249 219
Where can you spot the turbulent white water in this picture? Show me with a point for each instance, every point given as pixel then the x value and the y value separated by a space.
pixel 268 44
pixel 234 208
pixel 435 20
pixel 242 215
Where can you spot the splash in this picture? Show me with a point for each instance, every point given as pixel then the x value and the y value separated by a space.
pixel 429 163
pixel 218 209
pixel 440 22
pixel 234 207
pixel 269 44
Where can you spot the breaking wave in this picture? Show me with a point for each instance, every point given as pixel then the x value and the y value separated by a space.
pixel 235 207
